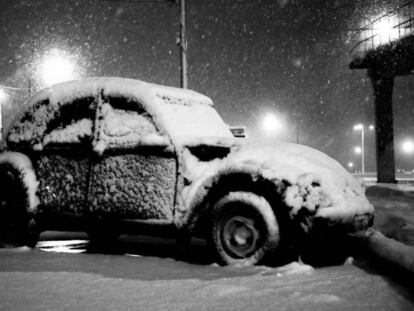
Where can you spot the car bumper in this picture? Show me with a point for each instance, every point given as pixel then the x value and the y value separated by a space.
pixel 353 224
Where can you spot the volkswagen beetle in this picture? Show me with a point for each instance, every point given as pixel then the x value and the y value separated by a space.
pixel 113 155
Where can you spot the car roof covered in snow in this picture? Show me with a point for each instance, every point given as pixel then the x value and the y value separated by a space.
pixel 134 89
pixel 196 116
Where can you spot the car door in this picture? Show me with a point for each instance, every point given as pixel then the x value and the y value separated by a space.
pixel 63 166
pixel 134 166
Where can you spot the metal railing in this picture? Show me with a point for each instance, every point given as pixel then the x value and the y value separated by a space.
pixel 384 29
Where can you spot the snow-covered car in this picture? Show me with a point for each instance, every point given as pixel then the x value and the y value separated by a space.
pixel 112 155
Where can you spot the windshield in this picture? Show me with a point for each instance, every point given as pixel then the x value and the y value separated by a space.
pixel 190 121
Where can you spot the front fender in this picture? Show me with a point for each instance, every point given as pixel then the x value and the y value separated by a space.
pixel 201 194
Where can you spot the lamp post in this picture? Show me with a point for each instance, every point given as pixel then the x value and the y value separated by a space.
pixel 361 150
pixel 183 46
pixel 360 127
pixel 296 114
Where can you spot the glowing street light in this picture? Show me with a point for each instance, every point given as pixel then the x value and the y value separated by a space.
pixel 407 146
pixel 358 127
pixel 56 66
pixel 386 29
pixel 358 150
pixel 271 124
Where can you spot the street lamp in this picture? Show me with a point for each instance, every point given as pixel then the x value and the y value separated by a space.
pixel 56 66
pixel 271 124
pixel 386 28
pixel 407 146
pixel 361 150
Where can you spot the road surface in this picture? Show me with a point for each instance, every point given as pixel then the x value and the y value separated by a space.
pixel 142 275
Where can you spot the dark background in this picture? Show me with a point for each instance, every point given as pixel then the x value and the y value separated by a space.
pixel 289 57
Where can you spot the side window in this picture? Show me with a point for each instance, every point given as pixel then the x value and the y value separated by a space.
pixel 124 124
pixel 72 124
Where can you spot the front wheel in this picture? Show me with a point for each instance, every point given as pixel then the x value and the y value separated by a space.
pixel 244 228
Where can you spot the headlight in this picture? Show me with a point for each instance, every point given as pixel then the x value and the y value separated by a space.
pixel 362 222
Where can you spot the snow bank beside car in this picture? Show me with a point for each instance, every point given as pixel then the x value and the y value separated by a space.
pixel 387 190
pixel 392 239
pixel 394 206
pixel 388 250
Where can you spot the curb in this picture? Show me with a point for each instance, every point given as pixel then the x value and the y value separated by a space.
pixel 387 250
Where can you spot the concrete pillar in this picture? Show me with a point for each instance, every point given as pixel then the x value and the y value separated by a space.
pixel 384 128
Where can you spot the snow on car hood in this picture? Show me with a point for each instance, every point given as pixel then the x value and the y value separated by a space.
pixel 290 161
pixel 316 182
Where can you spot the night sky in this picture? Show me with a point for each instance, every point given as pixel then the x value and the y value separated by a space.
pixel 290 57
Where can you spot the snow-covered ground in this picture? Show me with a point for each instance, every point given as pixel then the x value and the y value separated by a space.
pixel 129 279
pixel 140 273
pixel 394 210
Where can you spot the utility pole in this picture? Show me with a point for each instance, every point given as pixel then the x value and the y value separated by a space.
pixel 297 130
pixel 183 46
pixel 182 40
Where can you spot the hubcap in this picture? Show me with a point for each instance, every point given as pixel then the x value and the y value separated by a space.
pixel 240 236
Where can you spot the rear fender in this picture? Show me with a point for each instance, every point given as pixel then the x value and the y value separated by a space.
pixel 23 165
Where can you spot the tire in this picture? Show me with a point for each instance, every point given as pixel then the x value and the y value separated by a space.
pixel 244 229
pixel 326 249
pixel 103 234
pixel 17 225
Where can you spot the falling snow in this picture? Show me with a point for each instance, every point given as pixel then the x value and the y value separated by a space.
pixel 279 58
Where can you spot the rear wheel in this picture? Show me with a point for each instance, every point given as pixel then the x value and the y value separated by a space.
pixel 244 228
pixel 101 233
pixel 17 225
